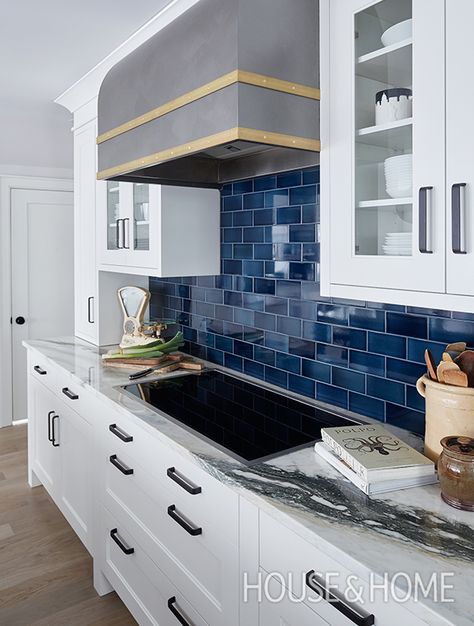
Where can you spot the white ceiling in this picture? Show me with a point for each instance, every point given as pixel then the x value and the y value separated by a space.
pixel 45 46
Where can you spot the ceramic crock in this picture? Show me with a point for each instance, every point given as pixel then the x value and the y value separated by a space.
pixel 449 410
pixel 456 472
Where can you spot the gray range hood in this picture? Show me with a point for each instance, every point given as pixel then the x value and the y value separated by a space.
pixel 228 90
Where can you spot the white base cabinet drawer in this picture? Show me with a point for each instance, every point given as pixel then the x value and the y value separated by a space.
pixel 149 595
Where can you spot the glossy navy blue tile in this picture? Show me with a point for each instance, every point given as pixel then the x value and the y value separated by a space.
pixel 463 316
pixel 198 293
pixel 430 312
pixel 265 286
pixel 215 356
pixel 300 308
pixel 254 369
pixel 225 344
pixel 264 183
pixel 348 379
pixel 253 235
pixel 414 400
pixel 289 179
pixel 309 213
pixel 450 331
pixel 310 291
pixel 316 331
pixel 232 267
pixel 288 289
pixel 332 354
pixel 332 395
pixel 266 321
pixel 242 283
pixel 288 215
pixel 311 176
pixel 332 314
pixel 205 309
pixel 391 345
pixel 276 377
pixel 264 355
pixel 215 326
pixel 244 316
pixel 287 362
pixel 254 200
pixel 366 406
pixel 278 306
pixel 232 330
pixel 289 326
pixel 303 233
pixel 302 271
pixel 263 251
pixel 311 252
pixel 183 291
pixel 405 418
pixel 371 319
pixel 243 251
pixel 243 186
pixel 190 334
pixel 408 325
pixel 226 190
pixel 276 341
pixel 405 371
pixel 233 362
pixel 206 339
pixel 316 370
pixel 302 347
pixel 386 307
pixel 227 251
pixel 223 282
pixel 214 295
pixel 233 298
pixel 276 198
pixel 366 362
pixel 417 347
pixel 253 268
pixel 277 234
pixel 263 217
pixel 287 251
pixel 227 219
pixel 304 386
pixel 241 218
pixel 233 203
pixel 253 301
pixel 243 349
pixel 224 312
pixel 385 389
pixel 349 337
pixel 253 335
pixel 303 195
pixel 277 269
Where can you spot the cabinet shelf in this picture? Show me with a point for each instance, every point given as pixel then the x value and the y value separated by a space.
pixel 385 202
pixel 395 135
pixel 390 65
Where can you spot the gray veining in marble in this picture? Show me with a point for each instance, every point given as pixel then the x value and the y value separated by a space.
pixel 411 531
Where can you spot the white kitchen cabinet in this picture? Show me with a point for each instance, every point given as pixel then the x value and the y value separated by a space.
pixel 158 230
pixel 386 225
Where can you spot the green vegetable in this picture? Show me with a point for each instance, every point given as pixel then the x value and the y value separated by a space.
pixel 154 349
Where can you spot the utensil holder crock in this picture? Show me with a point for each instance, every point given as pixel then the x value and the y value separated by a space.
pixel 449 411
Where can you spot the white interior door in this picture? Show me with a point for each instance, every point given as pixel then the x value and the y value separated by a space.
pixel 42 250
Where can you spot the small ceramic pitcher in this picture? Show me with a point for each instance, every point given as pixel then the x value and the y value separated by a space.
pixel 456 472
pixel 449 410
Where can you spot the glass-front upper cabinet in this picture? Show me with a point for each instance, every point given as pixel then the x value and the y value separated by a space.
pixel 386 144
pixel 141 216
pixel 114 216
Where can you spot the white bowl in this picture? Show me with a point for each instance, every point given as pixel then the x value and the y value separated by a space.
pixel 396 33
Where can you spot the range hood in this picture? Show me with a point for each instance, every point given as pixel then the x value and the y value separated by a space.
pixel 226 91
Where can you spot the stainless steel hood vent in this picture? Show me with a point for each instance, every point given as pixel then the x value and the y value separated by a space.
pixel 228 90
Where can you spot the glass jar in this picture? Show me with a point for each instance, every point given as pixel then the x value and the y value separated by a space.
pixel 456 472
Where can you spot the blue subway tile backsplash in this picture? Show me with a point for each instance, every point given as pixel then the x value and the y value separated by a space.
pixel 264 314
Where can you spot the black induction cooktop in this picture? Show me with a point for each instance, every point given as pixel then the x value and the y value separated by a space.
pixel 249 421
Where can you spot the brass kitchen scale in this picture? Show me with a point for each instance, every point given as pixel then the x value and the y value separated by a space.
pixel 136 331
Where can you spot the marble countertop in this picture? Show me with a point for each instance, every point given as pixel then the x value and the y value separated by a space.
pixel 407 535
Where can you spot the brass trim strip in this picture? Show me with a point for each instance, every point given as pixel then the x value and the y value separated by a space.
pixel 232 134
pixel 250 78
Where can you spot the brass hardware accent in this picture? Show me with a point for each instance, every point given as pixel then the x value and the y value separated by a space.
pixel 232 134
pixel 236 76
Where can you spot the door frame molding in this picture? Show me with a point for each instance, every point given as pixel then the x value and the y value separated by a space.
pixel 7 185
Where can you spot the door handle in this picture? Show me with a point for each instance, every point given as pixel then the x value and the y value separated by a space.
pixel 70 394
pixel 176 613
pixel 192 530
pixel 50 438
pixel 40 370
pixel 127 237
pixel 121 434
pixel 123 468
pixel 117 234
pixel 90 318
pixel 424 220
pixel 20 320
pixel 458 218
pixel 119 542
pixel 185 484
pixel 53 431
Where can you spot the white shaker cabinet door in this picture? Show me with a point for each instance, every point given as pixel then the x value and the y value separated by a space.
pixel 460 142
pixel 385 200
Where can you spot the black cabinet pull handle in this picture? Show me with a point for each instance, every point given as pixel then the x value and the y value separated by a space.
pixel 176 613
pixel 352 612
pixel 70 394
pixel 90 318
pixel 53 431
pixel 187 486
pixel 118 432
pixel 40 370
pixel 125 549
pixel 458 218
pixel 123 468
pixel 192 530
pixel 50 438
pixel 424 220
pixel 127 238
pixel 117 234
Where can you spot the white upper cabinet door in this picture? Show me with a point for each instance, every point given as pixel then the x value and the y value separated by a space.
pixel 143 227
pixel 113 222
pixel 460 141
pixel 385 155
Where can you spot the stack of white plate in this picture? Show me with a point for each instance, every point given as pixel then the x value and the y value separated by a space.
pixel 397 244
pixel 399 176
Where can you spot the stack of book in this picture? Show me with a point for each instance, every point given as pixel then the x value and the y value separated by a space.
pixel 374 459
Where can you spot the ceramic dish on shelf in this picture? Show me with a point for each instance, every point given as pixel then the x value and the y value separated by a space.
pixel 399 176
pixel 398 32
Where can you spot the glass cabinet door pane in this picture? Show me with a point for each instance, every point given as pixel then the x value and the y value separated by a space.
pixel 141 216
pixel 113 216
pixel 383 137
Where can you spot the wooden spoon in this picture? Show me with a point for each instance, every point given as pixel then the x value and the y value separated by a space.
pixel 455 377
pixel 465 361
pixel 443 367
pixel 448 357
pixel 430 364
pixel 459 346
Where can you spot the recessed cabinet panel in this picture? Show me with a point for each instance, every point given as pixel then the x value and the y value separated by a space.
pixel 385 162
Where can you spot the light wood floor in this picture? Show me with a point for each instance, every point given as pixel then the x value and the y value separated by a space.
pixel 45 571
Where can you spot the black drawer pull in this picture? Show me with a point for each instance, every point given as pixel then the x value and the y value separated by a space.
pixel 171 472
pixel 125 549
pixel 118 432
pixel 353 613
pixel 50 437
pixel 53 430
pixel 176 613
pixel 70 394
pixel 40 370
pixel 182 522
pixel 123 468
